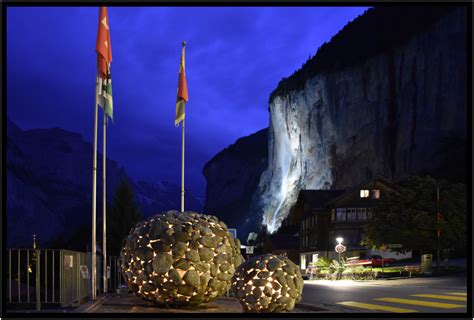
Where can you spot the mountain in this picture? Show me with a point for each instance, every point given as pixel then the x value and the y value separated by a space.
pixel 232 176
pixel 160 196
pixel 49 186
pixel 387 95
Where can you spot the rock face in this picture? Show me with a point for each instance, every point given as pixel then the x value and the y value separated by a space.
pixel 180 258
pixel 49 185
pixel 397 110
pixel 268 283
pixel 232 177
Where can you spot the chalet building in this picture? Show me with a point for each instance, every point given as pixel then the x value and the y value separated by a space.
pixel 324 215
pixel 311 217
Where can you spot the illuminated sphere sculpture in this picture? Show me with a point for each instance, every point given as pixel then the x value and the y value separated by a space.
pixel 267 283
pixel 177 258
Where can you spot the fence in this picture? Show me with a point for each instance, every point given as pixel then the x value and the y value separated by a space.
pixel 52 276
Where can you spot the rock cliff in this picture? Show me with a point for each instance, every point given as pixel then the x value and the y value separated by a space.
pixel 387 95
pixel 396 109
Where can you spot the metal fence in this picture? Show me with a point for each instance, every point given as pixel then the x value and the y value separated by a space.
pixel 53 276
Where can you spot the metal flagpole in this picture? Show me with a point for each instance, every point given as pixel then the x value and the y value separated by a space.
pixel 182 171
pixel 94 189
pixel 104 204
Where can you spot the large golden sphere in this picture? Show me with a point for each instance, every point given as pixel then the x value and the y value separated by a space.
pixel 180 258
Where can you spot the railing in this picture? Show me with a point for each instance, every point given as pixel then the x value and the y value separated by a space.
pixel 53 276
pixel 33 276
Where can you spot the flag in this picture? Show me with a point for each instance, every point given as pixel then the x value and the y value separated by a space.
pixel 104 58
pixel 182 91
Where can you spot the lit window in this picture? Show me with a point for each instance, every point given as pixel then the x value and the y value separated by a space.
pixel 341 214
pixel 375 194
pixel 364 193
pixel 361 214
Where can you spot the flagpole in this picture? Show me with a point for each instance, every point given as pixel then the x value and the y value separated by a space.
pixel 182 147
pixel 94 191
pixel 182 171
pixel 104 204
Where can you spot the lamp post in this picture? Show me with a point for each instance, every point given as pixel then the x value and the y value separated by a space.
pixel 339 242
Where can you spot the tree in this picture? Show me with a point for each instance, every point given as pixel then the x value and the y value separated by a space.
pixel 123 215
pixel 409 217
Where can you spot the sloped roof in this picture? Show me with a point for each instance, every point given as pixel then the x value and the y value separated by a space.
pixel 319 198
pixel 378 177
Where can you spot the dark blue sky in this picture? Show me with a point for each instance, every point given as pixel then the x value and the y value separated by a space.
pixel 235 57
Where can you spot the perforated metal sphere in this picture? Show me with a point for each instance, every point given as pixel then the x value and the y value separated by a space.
pixel 180 258
pixel 268 283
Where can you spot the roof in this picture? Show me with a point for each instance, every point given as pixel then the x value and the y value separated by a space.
pixel 379 177
pixel 319 198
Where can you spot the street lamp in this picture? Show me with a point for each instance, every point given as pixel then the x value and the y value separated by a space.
pixel 339 243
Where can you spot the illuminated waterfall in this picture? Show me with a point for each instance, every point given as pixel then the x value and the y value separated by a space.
pixel 285 160
pixel 299 158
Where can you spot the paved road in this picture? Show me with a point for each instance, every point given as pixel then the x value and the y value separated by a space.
pixel 433 294
pixel 128 303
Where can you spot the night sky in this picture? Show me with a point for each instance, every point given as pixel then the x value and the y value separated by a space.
pixel 235 58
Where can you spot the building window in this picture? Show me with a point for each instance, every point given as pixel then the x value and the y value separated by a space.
pixel 303 262
pixel 351 214
pixel 375 194
pixel 341 214
pixel 364 193
pixel 361 214
pixel 333 215
pixel 370 211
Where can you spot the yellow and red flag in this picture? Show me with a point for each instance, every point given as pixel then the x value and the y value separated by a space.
pixel 182 91
pixel 104 58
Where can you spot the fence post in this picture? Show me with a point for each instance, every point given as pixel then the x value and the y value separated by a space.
pixel 45 275
pixel 28 266
pixel 53 266
pixel 19 275
pixel 38 283
pixel 78 278
pixel 10 275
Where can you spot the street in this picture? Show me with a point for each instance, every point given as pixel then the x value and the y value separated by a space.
pixel 430 294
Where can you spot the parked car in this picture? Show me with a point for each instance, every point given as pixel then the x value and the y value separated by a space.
pixel 377 261
pixel 374 261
